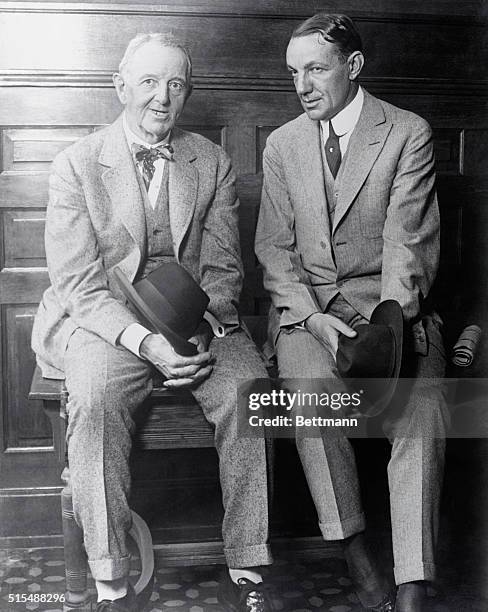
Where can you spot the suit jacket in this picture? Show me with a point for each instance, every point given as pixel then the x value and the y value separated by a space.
pixel 385 233
pixel 95 221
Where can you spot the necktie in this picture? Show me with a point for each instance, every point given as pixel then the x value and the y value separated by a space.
pixel 333 151
pixel 146 157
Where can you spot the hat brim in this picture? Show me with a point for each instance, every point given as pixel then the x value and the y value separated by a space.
pixel 389 313
pixel 180 345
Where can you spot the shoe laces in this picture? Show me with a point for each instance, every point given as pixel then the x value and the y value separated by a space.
pixel 385 606
pixel 254 596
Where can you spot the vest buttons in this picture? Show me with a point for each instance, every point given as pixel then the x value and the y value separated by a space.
pixel 322 244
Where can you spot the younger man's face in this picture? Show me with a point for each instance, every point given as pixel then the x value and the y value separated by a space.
pixel 323 78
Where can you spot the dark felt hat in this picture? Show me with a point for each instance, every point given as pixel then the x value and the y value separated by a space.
pixel 168 302
pixel 372 359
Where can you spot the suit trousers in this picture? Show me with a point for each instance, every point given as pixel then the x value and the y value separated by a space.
pixel 106 385
pixel 416 430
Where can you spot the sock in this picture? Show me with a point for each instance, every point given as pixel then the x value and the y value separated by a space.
pixel 111 589
pixel 250 574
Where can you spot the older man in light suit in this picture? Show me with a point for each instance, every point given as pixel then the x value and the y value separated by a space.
pixel 134 195
pixel 349 218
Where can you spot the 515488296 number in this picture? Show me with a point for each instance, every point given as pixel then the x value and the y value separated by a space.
pixel 35 597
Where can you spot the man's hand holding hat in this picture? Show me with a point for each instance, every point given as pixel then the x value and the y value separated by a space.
pixel 179 371
pixel 202 337
pixel 172 304
pixel 326 328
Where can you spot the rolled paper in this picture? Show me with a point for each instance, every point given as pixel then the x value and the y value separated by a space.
pixel 465 348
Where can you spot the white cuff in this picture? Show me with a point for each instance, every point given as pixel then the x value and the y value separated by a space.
pixel 132 336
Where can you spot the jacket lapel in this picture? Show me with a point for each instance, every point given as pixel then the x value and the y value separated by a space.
pixel 183 188
pixel 121 183
pixel 367 140
pixel 308 152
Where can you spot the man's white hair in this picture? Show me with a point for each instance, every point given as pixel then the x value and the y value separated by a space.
pixel 165 40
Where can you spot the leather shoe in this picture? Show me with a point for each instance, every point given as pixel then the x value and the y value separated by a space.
pixel 246 596
pixel 410 597
pixel 123 604
pixel 387 605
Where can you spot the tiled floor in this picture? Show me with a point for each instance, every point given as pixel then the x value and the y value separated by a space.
pixel 295 587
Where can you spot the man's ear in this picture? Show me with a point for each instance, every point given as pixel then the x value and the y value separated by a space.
pixel 355 62
pixel 119 83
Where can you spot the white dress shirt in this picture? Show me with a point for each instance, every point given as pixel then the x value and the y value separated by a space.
pixel 155 184
pixel 344 122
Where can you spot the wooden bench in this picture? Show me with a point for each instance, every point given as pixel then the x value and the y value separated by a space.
pixel 175 421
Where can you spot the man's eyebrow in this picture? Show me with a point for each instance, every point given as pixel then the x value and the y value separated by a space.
pixel 148 76
pixel 309 65
pixel 315 63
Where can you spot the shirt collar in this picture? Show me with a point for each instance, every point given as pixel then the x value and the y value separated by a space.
pixel 134 139
pixel 345 120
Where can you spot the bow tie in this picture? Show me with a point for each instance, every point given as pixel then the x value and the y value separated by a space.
pixel 146 157
pixel 142 153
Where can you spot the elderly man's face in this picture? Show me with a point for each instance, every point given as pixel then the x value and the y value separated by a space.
pixel 154 88
pixel 323 80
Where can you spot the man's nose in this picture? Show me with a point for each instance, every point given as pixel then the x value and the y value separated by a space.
pixel 162 93
pixel 303 84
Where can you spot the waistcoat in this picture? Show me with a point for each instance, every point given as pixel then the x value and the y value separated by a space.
pixel 159 241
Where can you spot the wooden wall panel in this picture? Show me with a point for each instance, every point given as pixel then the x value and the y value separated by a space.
pixel 23 238
pixel 263 131
pixel 215 133
pixel 85 105
pixel 23 191
pixel 476 152
pixel 22 285
pixel 449 150
pixel 27 149
pixel 26 424
pixel 232 44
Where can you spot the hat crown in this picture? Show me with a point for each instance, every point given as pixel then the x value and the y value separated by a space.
pixel 371 360
pixel 370 354
pixel 169 302
pixel 174 297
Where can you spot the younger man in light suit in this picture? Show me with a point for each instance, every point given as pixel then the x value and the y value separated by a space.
pixel 348 219
pixel 134 195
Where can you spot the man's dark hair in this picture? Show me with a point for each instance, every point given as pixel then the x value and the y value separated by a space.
pixel 338 29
